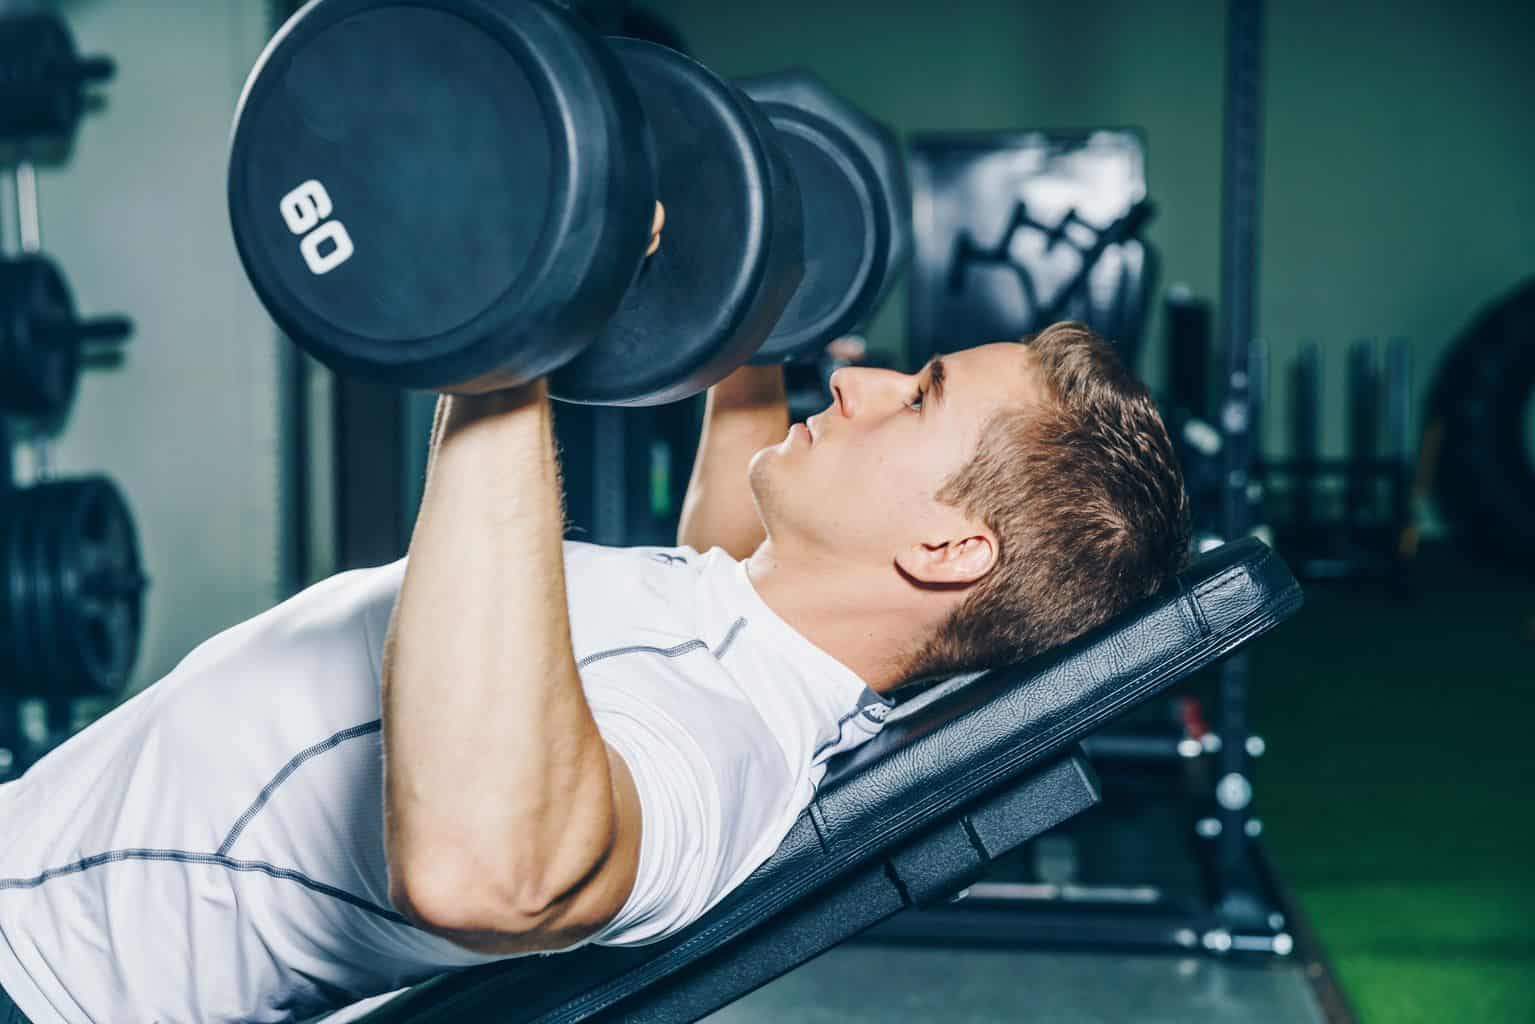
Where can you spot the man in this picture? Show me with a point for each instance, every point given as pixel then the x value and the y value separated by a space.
pixel 505 745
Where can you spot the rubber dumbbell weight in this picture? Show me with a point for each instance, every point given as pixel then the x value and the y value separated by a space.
pixel 456 195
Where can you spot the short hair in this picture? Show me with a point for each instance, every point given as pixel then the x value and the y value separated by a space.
pixel 1087 502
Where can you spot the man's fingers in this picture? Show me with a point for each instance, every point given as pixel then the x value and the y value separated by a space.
pixel 656 225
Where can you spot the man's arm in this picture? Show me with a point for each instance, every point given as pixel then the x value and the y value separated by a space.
pixel 510 825
pixel 744 413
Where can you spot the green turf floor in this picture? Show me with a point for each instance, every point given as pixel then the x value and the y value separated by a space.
pixel 1397 790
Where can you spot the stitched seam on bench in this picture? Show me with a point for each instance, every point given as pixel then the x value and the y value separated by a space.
pixel 1189 605
pixel 900 886
pixel 975 839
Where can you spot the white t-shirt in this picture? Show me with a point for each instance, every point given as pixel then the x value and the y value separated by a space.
pixel 212 850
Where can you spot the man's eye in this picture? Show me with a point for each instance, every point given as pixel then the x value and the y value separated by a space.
pixel 915 404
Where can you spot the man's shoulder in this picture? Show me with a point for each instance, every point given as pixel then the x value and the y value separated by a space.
pixel 587 553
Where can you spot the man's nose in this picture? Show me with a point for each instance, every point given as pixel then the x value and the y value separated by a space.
pixel 857 390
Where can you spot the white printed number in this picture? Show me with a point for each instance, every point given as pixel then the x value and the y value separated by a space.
pixel 325 245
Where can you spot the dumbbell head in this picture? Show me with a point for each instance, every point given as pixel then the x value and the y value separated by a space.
pixel 43 78
pixel 456 195
pixel 732 253
pixel 450 194
pixel 42 343
pixel 804 91
pixel 847 234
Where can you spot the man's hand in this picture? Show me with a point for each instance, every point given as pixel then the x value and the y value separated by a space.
pixel 510 825
pixel 744 413
pixel 656 224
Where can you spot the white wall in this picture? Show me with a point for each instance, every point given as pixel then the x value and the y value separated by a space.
pixel 136 218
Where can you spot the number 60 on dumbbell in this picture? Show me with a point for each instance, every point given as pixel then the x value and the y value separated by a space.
pixel 457 195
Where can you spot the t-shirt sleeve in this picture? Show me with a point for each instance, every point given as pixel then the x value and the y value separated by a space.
pixel 715 791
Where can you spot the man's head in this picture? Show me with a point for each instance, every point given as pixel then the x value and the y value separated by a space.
pixel 1010 496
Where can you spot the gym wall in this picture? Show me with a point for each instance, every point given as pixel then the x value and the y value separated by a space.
pixel 188 425
pixel 1379 136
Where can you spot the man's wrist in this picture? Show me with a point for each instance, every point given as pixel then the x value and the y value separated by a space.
pixel 750 386
pixel 463 412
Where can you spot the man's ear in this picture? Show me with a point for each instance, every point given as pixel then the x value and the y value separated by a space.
pixel 958 561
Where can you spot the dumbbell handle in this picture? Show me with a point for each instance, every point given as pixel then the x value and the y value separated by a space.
pixel 103 329
pixel 93 69
pixel 99 340
pixel 115 583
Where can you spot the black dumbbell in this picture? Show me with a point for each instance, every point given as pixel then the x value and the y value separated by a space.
pixel 857 222
pixel 43 79
pixel 43 344
pixel 457 195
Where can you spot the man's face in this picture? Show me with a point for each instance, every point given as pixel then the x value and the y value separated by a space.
pixel 859 480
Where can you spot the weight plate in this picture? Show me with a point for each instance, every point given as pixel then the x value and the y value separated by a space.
pixel 40 95
pixel 877 141
pixel 21 631
pixel 39 350
pixel 732 251
pixel 847 240
pixel 74 589
pixel 442 194
pixel 101 585
pixel 46 507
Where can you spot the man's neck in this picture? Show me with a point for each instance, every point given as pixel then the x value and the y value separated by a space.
pixel 851 612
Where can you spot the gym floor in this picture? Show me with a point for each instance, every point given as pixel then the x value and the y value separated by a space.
pixel 1394 798
pixel 1396 789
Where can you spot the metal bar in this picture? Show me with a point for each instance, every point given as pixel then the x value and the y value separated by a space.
pixel 610 482
pixel 1136 747
pixel 29 227
pixel 369 469
pixel 1399 400
pixel 293 453
pixel 1033 892
pixel 1237 898
pixel 1363 427
pixel 1399 450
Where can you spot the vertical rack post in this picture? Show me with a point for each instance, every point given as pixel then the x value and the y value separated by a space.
pixel 1238 902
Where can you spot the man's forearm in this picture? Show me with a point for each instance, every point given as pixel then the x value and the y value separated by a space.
pixel 743 414
pixel 498 791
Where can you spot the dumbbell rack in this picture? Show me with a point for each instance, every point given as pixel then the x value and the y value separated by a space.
pixel 1348 517
pixel 71 584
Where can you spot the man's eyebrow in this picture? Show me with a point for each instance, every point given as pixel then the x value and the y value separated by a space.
pixel 935 378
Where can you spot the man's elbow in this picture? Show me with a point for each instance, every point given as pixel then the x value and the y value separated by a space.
pixel 525 911
pixel 445 897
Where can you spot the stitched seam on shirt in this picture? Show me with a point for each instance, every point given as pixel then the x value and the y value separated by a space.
pixel 215 859
pixel 841 725
pixel 666 652
pixel 287 770
pixel 841 728
pixel 730 637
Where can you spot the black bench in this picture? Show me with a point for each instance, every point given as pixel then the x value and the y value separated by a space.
pixel 960 774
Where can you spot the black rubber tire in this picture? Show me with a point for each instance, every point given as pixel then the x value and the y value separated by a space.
pixel 1484 480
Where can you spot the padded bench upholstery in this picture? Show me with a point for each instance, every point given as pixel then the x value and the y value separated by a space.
pixel 959 775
